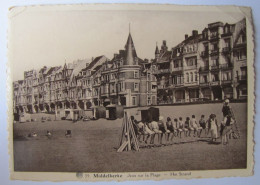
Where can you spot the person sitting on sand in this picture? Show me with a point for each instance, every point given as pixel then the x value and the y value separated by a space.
pixel 170 127
pixel 181 127
pixel 149 133
pixel 163 127
pixel 34 134
pixel 48 133
pixel 187 127
pixel 68 133
pixel 155 128
pixel 140 127
pixel 196 126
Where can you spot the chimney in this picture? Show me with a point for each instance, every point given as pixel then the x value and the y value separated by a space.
pixel 115 55
pixel 164 42
pixel 92 59
pixel 186 36
pixel 194 32
pixel 121 52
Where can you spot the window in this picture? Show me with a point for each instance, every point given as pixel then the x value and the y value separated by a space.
pixel 242 39
pixel 243 72
pixel 176 64
pixel 148 76
pixel 136 86
pixel 191 77
pixel 122 86
pixel 196 76
pixel 204 79
pixel 244 91
pixel 148 100
pixel 227 43
pixel 241 55
pixel 215 46
pixel 215 78
pixel 133 100
pixel 214 62
pixel 191 61
pixel 226 76
pixel 187 77
pixel 136 74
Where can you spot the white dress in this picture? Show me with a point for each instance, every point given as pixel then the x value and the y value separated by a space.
pixel 214 129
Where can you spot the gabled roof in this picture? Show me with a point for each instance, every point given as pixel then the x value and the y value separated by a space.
pixel 92 64
pixel 240 28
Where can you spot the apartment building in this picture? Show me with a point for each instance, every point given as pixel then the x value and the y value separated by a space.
pixel 211 65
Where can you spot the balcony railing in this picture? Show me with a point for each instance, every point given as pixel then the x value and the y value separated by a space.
pixel 177 69
pixel 176 85
pixel 204 38
pixel 225 66
pixel 242 77
pixel 214 37
pixel 226 81
pixel 226 50
pixel 226 34
pixel 215 83
pixel 204 69
pixel 162 86
pixel 204 54
pixel 161 71
pixel 204 83
pixel 214 67
pixel 214 52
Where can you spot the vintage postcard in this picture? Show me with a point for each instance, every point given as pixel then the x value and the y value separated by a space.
pixel 114 92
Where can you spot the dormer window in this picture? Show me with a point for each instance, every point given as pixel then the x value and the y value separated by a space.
pixel 227 29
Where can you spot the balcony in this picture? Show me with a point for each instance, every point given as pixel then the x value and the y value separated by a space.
pixel 214 52
pixel 214 37
pixel 214 68
pixel 225 82
pixel 204 84
pixel 243 63
pixel 204 54
pixel 204 38
pixel 227 34
pixel 226 50
pixel 242 78
pixel 175 69
pixel 181 84
pixel 215 83
pixel 204 69
pixel 162 86
pixel 161 71
pixel 226 66
pixel 190 67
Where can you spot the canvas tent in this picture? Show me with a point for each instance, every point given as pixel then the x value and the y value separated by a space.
pixel 114 111
pixel 149 114
pixel 98 112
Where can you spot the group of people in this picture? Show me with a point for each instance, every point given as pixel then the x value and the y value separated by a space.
pixel 179 127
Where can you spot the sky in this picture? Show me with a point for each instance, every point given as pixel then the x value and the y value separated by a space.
pixel 51 36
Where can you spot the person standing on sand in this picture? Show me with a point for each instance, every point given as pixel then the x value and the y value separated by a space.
pixel 213 127
pixel 202 123
pixel 227 122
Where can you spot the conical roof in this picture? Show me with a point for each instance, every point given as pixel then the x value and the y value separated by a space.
pixel 157 50
pixel 130 52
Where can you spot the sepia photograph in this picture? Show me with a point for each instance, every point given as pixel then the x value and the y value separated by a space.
pixel 125 92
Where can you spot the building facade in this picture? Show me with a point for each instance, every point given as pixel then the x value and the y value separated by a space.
pixel 125 80
pixel 207 66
